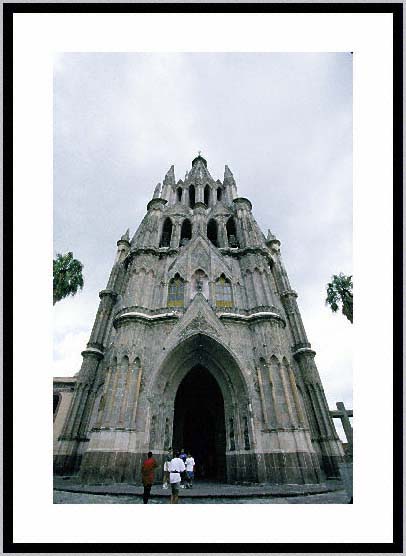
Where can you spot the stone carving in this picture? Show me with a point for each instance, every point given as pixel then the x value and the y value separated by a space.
pixel 199 324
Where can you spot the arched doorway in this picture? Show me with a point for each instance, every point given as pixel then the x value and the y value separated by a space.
pixel 199 391
pixel 199 423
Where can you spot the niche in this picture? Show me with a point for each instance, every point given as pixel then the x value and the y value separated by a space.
pixel 166 233
pixel 192 196
pixel 185 232
pixel 212 232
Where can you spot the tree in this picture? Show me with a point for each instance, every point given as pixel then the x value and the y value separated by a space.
pixel 339 291
pixel 68 277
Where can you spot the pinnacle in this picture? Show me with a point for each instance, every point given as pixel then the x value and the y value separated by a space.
pixel 126 235
pixel 157 190
pixel 228 175
pixel 227 172
pixel 270 236
pixel 170 175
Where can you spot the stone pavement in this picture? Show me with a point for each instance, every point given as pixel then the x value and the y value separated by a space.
pixel 70 491
pixel 336 497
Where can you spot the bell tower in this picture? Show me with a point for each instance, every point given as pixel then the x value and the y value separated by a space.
pixel 198 341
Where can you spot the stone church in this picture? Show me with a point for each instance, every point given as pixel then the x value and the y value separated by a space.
pixel 198 343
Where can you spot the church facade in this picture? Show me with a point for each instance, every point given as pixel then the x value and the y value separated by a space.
pixel 198 343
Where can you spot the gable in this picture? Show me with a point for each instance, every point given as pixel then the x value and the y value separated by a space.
pixel 200 253
pixel 198 318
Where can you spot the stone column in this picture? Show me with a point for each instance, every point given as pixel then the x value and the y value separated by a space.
pixel 222 233
pixel 175 239
pixel 329 443
pixel 199 189
pixel 243 207
pixel 107 301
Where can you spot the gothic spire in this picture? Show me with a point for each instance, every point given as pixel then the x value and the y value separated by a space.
pixel 169 181
pixel 229 182
pixel 126 235
pixel 228 175
pixel 170 175
pixel 270 237
pixel 157 191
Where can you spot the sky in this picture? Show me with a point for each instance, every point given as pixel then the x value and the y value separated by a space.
pixel 282 122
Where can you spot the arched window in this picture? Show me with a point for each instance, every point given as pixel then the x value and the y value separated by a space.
pixel 176 292
pixel 207 195
pixel 57 399
pixel 212 232
pixel 224 296
pixel 192 196
pixel 219 194
pixel 232 233
pixel 185 232
pixel 179 194
pixel 166 233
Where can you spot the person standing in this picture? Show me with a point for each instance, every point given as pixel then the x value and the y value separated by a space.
pixel 190 466
pixel 183 456
pixel 147 474
pixel 166 469
pixel 176 467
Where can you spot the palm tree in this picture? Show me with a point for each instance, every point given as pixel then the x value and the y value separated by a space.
pixel 68 277
pixel 339 291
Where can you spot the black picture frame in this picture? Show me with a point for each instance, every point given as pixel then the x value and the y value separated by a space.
pixel 9 9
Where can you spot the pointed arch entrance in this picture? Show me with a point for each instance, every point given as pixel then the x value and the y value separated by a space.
pixel 199 423
pixel 201 404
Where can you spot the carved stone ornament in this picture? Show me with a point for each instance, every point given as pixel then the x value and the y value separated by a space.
pixel 198 324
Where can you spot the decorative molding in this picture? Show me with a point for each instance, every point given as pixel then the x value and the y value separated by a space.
pixel 304 350
pixel 198 324
pixel 93 351
pixel 251 315
pixel 126 316
pixel 108 293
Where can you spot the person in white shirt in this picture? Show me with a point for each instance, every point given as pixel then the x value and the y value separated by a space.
pixel 190 465
pixel 168 458
pixel 175 468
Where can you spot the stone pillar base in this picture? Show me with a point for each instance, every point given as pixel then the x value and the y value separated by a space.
pixel 68 457
pixel 114 467
pixel 125 467
pixel 274 468
pixel 346 477
pixel 67 464
pixel 331 465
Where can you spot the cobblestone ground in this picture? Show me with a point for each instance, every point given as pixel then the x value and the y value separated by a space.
pixel 337 497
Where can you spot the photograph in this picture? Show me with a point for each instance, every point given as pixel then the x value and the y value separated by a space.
pixel 211 193
pixel 201 200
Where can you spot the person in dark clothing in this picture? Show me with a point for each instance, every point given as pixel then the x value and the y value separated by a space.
pixel 147 474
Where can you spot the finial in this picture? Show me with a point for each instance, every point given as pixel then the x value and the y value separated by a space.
pixel 126 236
pixel 199 153
pixel 227 172
pixel 270 236
pixel 157 190
pixel 170 175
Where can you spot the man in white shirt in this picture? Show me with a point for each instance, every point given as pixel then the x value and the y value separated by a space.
pixel 175 468
pixel 190 464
